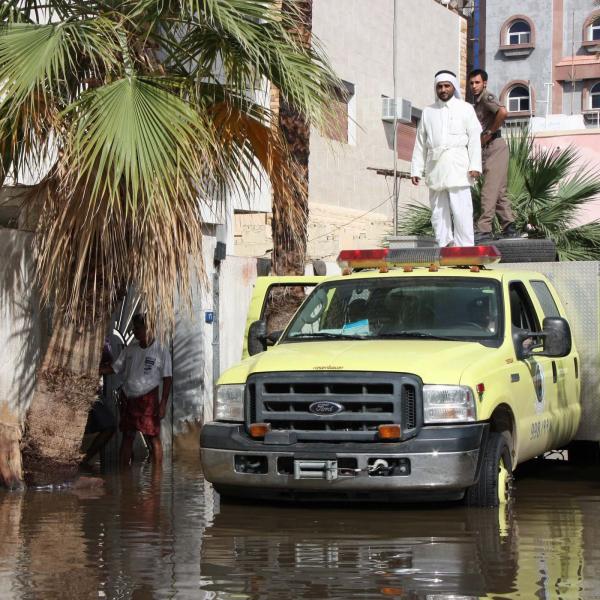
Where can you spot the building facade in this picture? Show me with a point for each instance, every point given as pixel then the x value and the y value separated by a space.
pixel 350 190
pixel 543 58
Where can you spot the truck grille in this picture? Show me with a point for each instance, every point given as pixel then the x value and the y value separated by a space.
pixel 361 401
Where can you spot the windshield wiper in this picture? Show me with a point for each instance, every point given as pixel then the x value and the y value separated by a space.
pixel 326 335
pixel 418 334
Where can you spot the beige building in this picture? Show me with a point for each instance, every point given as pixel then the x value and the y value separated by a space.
pixel 351 205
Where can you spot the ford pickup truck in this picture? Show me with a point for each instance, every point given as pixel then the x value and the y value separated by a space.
pixel 416 374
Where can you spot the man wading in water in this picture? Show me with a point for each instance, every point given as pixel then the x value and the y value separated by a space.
pixel 146 365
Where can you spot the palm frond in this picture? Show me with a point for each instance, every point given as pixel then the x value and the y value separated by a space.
pixel 133 139
pixel 547 195
pixel 45 59
pixel 415 220
pixel 146 110
pixel 242 43
pixel 134 158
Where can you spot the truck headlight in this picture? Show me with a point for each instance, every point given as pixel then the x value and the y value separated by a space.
pixel 229 403
pixel 448 403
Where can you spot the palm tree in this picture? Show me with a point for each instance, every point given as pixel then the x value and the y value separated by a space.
pixel 547 191
pixel 289 249
pixel 140 112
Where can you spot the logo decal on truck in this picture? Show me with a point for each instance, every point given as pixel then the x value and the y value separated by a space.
pixel 538 384
pixel 325 408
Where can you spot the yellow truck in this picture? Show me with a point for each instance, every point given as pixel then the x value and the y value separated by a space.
pixel 415 374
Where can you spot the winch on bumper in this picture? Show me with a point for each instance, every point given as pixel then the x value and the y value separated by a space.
pixel 440 460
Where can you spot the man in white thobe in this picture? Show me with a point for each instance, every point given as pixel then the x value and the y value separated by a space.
pixel 447 155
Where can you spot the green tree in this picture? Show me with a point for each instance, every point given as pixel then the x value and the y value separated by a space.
pixel 547 191
pixel 140 112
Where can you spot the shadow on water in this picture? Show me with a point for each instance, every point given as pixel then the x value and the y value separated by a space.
pixel 165 534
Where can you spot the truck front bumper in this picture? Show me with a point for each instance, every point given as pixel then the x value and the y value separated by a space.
pixel 441 461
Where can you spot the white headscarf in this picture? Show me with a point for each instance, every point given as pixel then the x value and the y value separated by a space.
pixel 450 77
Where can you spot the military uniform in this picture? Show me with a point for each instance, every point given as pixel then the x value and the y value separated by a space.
pixel 494 199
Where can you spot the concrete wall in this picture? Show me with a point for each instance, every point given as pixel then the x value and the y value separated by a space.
pixel 193 350
pixel 587 143
pixel 20 325
pixel 537 67
pixel 238 275
pixel 358 39
pixel 195 344
pixel 575 14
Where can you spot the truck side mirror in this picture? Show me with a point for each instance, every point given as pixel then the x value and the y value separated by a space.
pixel 555 340
pixel 257 337
pixel 556 337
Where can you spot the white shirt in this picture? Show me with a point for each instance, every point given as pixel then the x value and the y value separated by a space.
pixel 144 368
pixel 448 145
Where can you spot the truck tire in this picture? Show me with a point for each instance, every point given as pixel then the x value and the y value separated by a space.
pixel 518 250
pixel 495 484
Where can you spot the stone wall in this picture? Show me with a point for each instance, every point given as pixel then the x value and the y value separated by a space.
pixel 330 228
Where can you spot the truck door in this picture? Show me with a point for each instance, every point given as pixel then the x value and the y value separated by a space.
pixel 566 410
pixel 275 300
pixel 535 392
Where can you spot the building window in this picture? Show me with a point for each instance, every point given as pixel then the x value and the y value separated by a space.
pixel 594 30
pixel 517 37
pixel 518 99
pixel 591 33
pixel 595 97
pixel 519 33
pixel 341 125
pixel 406 135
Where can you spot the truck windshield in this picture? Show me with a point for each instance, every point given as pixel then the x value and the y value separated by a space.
pixel 446 308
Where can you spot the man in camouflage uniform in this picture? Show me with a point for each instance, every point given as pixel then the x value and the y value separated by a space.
pixel 494 199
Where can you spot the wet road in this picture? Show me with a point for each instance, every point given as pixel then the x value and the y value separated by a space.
pixel 166 535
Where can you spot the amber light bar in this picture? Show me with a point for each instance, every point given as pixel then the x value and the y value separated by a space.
pixel 417 257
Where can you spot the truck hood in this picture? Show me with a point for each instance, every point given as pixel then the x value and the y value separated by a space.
pixel 433 360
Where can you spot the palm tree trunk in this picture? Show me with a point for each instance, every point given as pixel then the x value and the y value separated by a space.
pixel 289 249
pixel 66 386
pixel 11 468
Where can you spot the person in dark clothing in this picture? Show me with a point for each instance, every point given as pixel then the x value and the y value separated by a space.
pixel 102 422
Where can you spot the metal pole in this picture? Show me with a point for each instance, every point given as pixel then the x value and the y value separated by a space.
pixel 548 99
pixel 216 354
pixel 395 81
pixel 572 62
pixel 476 34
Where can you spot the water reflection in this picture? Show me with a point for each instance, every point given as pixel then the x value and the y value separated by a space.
pixel 159 534
pixel 332 553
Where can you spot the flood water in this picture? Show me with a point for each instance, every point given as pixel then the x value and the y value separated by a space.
pixel 167 535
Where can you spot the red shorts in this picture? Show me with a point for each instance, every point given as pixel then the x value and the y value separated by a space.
pixel 141 414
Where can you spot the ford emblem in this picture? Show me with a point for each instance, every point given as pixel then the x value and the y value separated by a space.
pixel 325 408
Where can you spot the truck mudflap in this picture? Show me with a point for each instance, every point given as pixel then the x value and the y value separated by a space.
pixel 441 461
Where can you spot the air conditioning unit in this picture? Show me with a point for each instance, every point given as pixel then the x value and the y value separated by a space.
pixel 398 107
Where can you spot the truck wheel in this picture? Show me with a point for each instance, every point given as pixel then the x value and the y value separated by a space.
pixel 495 485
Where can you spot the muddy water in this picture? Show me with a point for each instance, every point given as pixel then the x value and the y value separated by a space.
pixel 166 535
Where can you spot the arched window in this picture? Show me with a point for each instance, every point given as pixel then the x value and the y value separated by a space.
pixel 595 97
pixel 594 30
pixel 518 99
pixel 519 32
